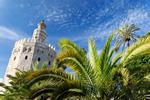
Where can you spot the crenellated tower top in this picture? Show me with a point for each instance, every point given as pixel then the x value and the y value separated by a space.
pixel 39 34
pixel 27 52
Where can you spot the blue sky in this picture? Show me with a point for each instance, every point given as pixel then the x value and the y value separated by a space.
pixel 73 19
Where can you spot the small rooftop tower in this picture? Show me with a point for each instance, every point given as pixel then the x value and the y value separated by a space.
pixel 39 33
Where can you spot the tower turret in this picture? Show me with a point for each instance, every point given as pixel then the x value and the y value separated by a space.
pixel 27 52
pixel 39 33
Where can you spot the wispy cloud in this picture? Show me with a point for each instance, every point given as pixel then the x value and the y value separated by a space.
pixel 136 16
pixel 139 17
pixel 96 22
pixel 9 34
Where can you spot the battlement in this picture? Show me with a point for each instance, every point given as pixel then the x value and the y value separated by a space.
pixel 51 47
pixel 29 40
pixel 25 40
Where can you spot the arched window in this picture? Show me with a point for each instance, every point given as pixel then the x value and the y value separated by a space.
pixel 26 57
pixel 24 49
pixel 49 63
pixel 29 50
pixel 14 58
pixel 39 59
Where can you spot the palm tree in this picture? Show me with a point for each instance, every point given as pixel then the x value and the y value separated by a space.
pixel 42 84
pixel 137 62
pixel 97 77
pixel 140 47
pixel 99 70
pixel 55 82
pixel 125 35
pixel 94 76
pixel 16 88
pixel 139 70
pixel 95 71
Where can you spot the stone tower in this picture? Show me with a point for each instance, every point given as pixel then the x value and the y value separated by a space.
pixel 28 51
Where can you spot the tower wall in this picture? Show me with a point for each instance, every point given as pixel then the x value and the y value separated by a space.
pixel 43 53
pixel 25 53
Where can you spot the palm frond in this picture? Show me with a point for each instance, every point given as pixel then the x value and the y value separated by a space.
pixel 93 56
pixel 104 53
pixel 116 58
pixel 67 44
pixel 74 61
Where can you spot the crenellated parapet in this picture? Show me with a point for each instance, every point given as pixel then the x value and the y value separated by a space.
pixel 25 40
pixel 29 40
pixel 51 47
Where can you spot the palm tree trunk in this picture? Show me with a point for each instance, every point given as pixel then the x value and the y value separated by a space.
pixel 128 43
pixel 125 47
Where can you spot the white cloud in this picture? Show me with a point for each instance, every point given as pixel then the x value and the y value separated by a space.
pixel 140 17
pixel 9 34
pixel 136 16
